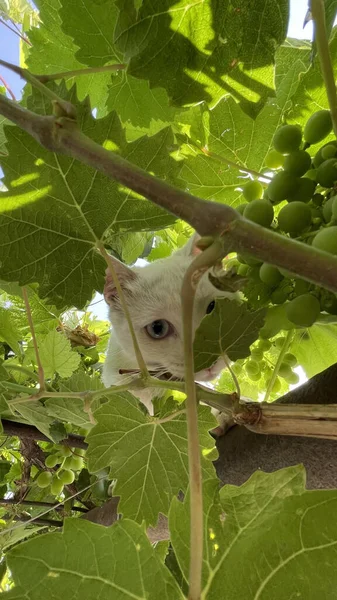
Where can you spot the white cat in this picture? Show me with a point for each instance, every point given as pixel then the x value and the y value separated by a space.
pixel 152 294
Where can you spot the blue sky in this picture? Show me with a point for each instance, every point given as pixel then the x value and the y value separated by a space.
pixel 9 42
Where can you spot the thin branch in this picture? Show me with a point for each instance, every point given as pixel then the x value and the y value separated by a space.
pixel 4 82
pixel 16 32
pixel 37 521
pixel 79 72
pixel 139 356
pixel 52 505
pixel 35 344
pixel 20 369
pixel 321 38
pixel 191 279
pixel 21 430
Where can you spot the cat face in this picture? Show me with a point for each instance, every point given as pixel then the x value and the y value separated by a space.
pixel 152 294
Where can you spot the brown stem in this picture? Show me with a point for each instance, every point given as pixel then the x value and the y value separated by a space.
pixel 4 82
pixel 16 32
pixel 21 430
pixel 58 507
pixel 35 344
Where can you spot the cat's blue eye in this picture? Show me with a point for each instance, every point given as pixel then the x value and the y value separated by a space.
pixel 159 329
pixel 210 307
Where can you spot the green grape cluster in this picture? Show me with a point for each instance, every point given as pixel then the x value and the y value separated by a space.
pixel 262 362
pixel 70 462
pixel 305 186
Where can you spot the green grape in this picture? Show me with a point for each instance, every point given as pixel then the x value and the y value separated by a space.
pixel 317 127
pixel 279 296
pixel 284 370
pixel 287 274
pixel 276 320
pixel 264 345
pixel 281 186
pixel 292 378
pixel 304 192
pixel 252 367
pixel 76 463
pixel 334 207
pixel 328 151
pixel 318 158
pixel 326 239
pixel 279 342
pixel 260 212
pixel 44 479
pixel 56 486
pixel 276 386
pixel 297 163
pixel 52 460
pixel 327 173
pixel 301 287
pixel 242 270
pixel 274 160
pixel 318 199
pixel 316 216
pixel 252 190
pixel 65 451
pixel 254 273
pixel 255 376
pixel 237 369
pixel 246 259
pixel 303 310
pixel 311 174
pixel 256 354
pixel 66 477
pixel 287 139
pixel 327 209
pixel 241 208
pixel 290 359
pixel 270 275
pixel 330 304
pixel 294 218
pixel 67 463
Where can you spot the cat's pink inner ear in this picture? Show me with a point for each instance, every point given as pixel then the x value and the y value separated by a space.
pixel 191 246
pixel 124 274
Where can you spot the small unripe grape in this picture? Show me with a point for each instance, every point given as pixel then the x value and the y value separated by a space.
pixel 252 367
pixel 303 310
pixel 246 259
pixel 304 192
pixel 252 190
pixel 52 460
pixel 318 158
pixel 292 378
pixel 264 345
pixel 241 208
pixel 279 296
pixel 318 199
pixel 317 127
pixel 287 139
pixel 290 359
pixel 301 287
pixel 270 275
pixel 334 207
pixel 279 342
pixel 294 218
pixel 329 151
pixel 327 173
pixel 284 370
pixel 66 477
pixel 242 270
pixel 326 239
pixel 274 160
pixel 256 354
pixel 254 376
pixel 56 486
pixel 260 212
pixel 65 451
pixel 276 386
pixel 297 163
pixel 282 186
pixel 311 174
pixel 327 209
pixel 76 463
pixel 44 479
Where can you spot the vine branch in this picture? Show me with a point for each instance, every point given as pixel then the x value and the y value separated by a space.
pixel 35 344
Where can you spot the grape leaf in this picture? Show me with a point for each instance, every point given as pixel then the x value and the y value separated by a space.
pixel 230 328
pixel 9 333
pixel 292 60
pixel 57 209
pixel 90 561
pixel 269 538
pixel 148 458
pixel 215 47
pixel 315 348
pixel 72 410
pixel 36 414
pixel 56 355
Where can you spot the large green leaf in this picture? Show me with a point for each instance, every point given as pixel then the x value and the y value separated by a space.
pixel 56 355
pixel 316 348
pixel 229 329
pixel 57 209
pixel 72 410
pixel 89 561
pixel 147 457
pixel 203 50
pixel 267 539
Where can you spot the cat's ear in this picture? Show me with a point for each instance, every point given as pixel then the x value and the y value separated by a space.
pixel 190 248
pixel 124 274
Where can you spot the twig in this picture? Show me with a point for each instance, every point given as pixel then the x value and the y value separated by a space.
pixel 12 501
pixel 139 356
pixel 191 279
pixel 233 376
pixel 35 344
pixel 321 38
pixel 16 32
pixel 284 349
pixel 7 88
pixel 38 521
pixel 79 72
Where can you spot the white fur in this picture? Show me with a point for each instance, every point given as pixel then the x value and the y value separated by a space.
pixel 153 292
